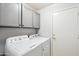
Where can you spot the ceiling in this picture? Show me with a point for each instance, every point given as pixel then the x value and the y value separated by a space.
pixel 39 6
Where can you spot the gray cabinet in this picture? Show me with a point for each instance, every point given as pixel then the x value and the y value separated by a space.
pixel 26 17
pixel 30 18
pixel 36 20
pixel 9 14
pixel 18 15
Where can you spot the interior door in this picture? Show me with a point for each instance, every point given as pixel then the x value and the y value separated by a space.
pixel 78 34
pixel 64 33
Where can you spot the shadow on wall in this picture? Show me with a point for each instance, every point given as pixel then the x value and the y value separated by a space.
pixel 9 32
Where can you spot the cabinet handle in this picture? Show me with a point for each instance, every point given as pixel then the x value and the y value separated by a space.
pixel 33 26
pixel 19 24
pixel 22 25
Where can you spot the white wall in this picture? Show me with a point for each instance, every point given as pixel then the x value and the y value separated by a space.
pixel 46 18
pixel 45 22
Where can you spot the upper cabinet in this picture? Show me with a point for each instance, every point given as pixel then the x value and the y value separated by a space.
pixel 30 18
pixel 9 14
pixel 36 20
pixel 26 17
pixel 18 15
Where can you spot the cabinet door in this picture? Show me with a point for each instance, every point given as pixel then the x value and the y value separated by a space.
pixel 0 12
pixel 46 48
pixel 26 17
pixel 36 20
pixel 9 14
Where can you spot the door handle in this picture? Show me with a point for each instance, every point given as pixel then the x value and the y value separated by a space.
pixel 53 36
pixel 77 36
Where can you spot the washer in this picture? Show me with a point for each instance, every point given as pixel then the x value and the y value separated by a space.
pixel 22 45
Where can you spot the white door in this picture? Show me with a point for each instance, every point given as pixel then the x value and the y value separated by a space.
pixel 9 14
pixel 26 17
pixel 78 34
pixel 64 33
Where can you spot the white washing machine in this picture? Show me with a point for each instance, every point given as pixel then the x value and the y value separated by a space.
pixel 24 46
